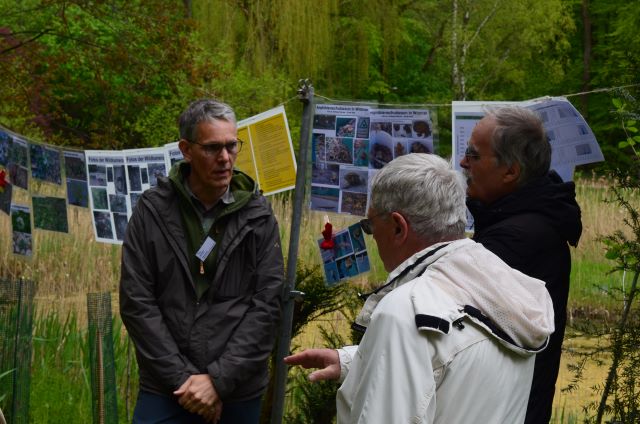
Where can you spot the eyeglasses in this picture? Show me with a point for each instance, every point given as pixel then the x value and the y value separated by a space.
pixel 214 149
pixel 471 153
pixel 366 224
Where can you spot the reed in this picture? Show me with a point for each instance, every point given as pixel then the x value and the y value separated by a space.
pixel 67 266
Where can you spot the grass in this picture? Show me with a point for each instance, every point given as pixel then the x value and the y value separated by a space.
pixel 67 266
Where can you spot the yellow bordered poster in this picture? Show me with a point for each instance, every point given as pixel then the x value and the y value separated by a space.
pixel 267 155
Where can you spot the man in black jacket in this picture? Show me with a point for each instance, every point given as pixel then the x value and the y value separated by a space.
pixel 526 215
pixel 201 281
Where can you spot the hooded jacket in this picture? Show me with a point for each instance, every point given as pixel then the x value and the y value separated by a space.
pixel 228 331
pixel 531 230
pixel 451 340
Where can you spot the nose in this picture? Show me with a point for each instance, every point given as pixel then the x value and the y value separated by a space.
pixel 224 155
pixel 464 162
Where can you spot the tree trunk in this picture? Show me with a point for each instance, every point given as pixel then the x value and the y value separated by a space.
pixel 188 8
pixel 586 57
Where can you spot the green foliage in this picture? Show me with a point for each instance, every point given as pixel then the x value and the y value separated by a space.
pixel 117 74
pixel 61 381
pixel 619 398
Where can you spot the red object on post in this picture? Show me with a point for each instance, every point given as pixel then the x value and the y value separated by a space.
pixel 327 233
pixel 3 181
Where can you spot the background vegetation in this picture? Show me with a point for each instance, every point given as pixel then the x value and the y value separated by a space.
pixel 112 74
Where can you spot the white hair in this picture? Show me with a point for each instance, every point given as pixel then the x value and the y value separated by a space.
pixel 426 191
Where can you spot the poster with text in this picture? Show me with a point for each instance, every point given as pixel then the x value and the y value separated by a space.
pixel 172 153
pixel 350 143
pixel 572 141
pixel 267 152
pixel 348 257
pixel 109 192
pixel 75 170
pixel 144 167
pixel 22 239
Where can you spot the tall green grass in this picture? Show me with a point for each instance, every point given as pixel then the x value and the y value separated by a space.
pixel 67 266
pixel 61 371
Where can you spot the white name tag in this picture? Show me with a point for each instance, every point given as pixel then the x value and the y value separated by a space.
pixel 205 249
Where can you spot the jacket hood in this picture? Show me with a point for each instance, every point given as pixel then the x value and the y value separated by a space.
pixel 461 279
pixel 548 196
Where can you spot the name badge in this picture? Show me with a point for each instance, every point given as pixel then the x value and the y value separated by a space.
pixel 205 249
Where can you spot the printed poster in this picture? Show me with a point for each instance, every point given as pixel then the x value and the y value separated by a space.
pixel 109 200
pixel 18 163
pixel 349 256
pixel 46 163
pixel 5 144
pixel 351 142
pixel 267 154
pixel 572 141
pixel 76 175
pixel 22 239
pixel 50 213
pixel 144 167
pixel 5 198
pixel 172 154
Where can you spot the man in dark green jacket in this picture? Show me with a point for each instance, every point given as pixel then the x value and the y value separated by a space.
pixel 201 281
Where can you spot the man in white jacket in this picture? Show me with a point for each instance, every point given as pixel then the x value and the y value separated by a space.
pixel 451 336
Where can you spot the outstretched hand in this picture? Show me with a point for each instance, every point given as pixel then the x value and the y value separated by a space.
pixel 327 360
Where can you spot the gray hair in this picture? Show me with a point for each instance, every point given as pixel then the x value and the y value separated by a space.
pixel 519 137
pixel 203 110
pixel 426 191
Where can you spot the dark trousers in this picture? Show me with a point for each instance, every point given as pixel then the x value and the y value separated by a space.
pixel 156 409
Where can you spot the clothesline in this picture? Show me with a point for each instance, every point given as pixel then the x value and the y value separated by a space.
pixel 360 102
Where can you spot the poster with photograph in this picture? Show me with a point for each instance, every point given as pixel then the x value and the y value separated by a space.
pixel 18 163
pixel 50 213
pixel 5 144
pixel 144 166
pixel 349 143
pixel 76 175
pixel 572 141
pixel 349 256
pixel 46 162
pixel 5 198
pixel 108 194
pixel 397 132
pixel 172 153
pixel 21 229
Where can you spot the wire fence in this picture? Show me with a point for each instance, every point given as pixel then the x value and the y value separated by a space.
pixel 16 323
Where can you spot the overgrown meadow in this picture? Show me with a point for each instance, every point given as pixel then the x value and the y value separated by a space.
pixel 66 267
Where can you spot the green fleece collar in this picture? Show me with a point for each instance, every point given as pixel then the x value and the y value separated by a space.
pixel 242 186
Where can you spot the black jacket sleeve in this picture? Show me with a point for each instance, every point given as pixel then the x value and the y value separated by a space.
pixel 139 307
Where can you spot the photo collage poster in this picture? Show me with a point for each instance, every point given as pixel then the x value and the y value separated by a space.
pixel 349 256
pixel 109 200
pixel 144 166
pixel 351 142
pixel 572 140
pixel 21 229
pixel 76 178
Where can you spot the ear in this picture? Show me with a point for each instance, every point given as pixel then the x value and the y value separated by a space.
pixel 512 174
pixel 401 228
pixel 185 147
